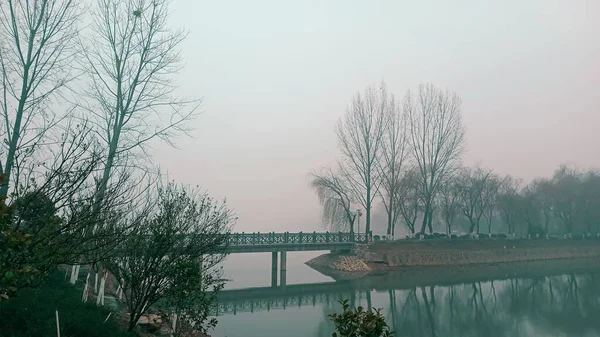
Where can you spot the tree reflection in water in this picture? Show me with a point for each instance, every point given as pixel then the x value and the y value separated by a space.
pixel 563 305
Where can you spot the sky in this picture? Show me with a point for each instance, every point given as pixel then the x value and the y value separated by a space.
pixel 275 76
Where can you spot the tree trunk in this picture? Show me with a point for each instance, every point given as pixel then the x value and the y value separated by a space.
pixel 425 216
pixel 389 215
pixel 16 130
pixel 430 220
pixel 368 219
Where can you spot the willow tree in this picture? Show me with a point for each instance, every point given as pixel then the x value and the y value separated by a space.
pixel 360 138
pixel 37 48
pixel 336 200
pixel 436 138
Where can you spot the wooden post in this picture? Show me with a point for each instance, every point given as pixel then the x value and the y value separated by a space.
pixel 57 324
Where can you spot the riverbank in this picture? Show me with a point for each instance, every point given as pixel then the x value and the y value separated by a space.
pixel 402 254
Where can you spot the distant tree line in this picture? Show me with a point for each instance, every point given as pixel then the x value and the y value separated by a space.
pixel 408 157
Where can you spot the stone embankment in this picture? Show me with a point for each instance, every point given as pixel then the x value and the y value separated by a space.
pixel 386 256
pixel 347 263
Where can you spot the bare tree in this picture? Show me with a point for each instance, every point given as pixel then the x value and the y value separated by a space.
pixel 566 201
pixel 394 153
pixel 510 202
pixel 182 239
pixel 437 140
pixel 360 138
pixel 531 210
pixel 472 184
pixel 408 198
pixel 591 200
pixel 449 202
pixel 37 44
pixel 336 199
pixel 131 55
pixel 542 190
pixel 488 201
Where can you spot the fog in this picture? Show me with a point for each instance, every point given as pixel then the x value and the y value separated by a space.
pixel 276 76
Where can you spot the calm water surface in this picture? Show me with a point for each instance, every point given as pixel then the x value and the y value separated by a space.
pixel 551 305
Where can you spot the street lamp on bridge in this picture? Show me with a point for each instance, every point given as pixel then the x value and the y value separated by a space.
pixel 358 215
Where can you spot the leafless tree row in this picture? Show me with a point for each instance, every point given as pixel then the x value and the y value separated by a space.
pixel 407 158
pixel 400 153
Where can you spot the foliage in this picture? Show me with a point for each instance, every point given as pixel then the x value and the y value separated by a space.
pixel 193 294
pixel 359 323
pixel 174 253
pixel 23 263
pixel 31 313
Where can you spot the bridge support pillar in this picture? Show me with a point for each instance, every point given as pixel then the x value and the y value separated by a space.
pixel 274 269
pixel 283 269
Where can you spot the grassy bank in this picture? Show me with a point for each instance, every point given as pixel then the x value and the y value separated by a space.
pixel 402 254
pixel 476 245
pixel 31 313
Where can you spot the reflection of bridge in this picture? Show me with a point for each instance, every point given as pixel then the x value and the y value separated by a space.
pixel 299 295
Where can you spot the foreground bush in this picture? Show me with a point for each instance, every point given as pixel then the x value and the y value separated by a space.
pixel 359 323
pixel 31 313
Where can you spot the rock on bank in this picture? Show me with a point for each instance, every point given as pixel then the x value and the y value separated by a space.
pixel 340 265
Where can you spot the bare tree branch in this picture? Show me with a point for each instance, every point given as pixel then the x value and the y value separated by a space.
pixel 360 138
pixel 437 139
pixel 37 47
pixel 393 158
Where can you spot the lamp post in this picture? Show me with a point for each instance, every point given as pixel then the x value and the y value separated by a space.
pixel 358 215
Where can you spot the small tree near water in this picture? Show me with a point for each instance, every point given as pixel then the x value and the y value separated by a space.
pixel 174 256
pixel 359 323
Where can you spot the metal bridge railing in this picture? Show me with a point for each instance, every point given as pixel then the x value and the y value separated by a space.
pixel 238 239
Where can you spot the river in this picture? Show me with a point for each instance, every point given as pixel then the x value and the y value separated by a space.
pixel 552 304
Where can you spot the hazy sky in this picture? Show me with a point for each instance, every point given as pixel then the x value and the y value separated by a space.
pixel 276 75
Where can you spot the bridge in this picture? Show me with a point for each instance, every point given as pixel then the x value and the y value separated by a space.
pixel 276 242
pixel 281 243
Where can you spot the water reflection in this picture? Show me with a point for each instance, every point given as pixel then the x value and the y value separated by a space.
pixel 566 304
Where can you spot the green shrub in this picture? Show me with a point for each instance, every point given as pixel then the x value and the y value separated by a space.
pixel 31 313
pixel 359 323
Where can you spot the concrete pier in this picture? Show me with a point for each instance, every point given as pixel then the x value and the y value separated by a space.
pixel 274 269
pixel 283 269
